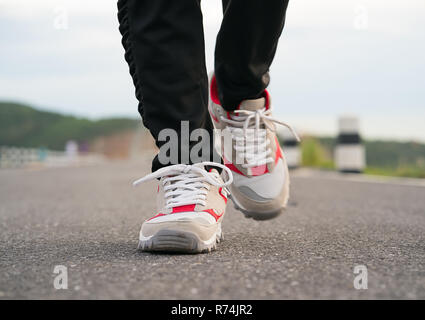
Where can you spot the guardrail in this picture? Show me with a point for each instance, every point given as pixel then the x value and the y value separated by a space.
pixel 15 157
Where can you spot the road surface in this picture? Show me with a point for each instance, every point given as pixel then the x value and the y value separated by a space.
pixel 88 220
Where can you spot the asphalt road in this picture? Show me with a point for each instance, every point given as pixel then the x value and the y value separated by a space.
pixel 88 219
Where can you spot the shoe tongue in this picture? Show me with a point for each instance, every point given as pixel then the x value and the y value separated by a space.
pixel 253 104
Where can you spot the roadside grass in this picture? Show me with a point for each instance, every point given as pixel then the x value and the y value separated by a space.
pixel 319 154
pixel 402 171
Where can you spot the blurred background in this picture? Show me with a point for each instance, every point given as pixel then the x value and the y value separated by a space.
pixel 343 69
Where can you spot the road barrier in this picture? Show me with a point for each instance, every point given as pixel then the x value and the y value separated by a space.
pixel 15 157
pixel 291 149
pixel 349 151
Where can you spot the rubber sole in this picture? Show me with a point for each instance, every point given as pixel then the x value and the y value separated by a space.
pixel 175 241
pixel 258 216
pixel 266 215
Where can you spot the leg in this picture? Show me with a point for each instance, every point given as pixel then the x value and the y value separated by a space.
pixel 245 48
pixel 164 46
pixel 246 45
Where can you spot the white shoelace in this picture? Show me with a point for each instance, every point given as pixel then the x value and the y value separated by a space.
pixel 251 140
pixel 187 184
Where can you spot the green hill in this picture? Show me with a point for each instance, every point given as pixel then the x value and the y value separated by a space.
pixel 23 126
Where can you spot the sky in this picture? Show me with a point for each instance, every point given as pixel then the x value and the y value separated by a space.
pixel 362 58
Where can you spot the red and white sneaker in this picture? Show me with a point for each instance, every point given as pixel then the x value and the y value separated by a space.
pixel 191 205
pixel 249 147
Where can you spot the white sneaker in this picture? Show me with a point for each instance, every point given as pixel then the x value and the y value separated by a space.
pixel 260 186
pixel 191 205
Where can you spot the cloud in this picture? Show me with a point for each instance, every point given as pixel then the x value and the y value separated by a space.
pixel 326 63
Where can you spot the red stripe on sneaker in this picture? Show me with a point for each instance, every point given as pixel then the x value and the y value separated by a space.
pixel 158 215
pixel 231 166
pixel 214 91
pixel 210 211
pixel 188 207
pixel 215 215
pixel 259 170
pixel 220 191
pixel 279 153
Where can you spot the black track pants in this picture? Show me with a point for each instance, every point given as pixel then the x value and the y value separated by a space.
pixel 164 47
